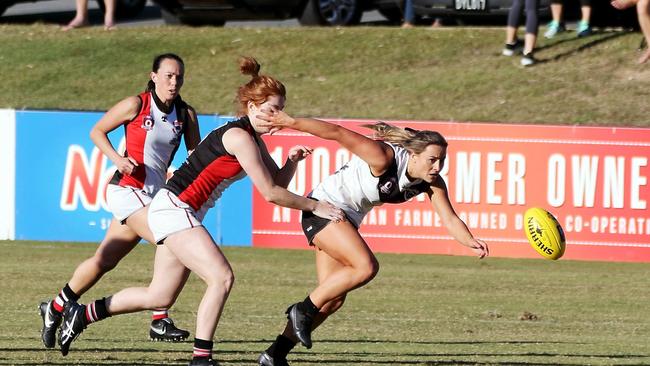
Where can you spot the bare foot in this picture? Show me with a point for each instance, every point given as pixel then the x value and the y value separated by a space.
pixel 623 4
pixel 75 23
pixel 436 23
pixel 644 57
pixel 407 25
pixel 110 27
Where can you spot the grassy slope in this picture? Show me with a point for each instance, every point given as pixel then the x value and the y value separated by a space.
pixel 383 73
pixel 420 310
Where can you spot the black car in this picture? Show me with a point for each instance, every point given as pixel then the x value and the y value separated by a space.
pixel 603 14
pixel 123 8
pixel 348 12
pixel 308 12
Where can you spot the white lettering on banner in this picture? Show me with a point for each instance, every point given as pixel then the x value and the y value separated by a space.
pixel 85 180
pixel 409 217
pixel 492 176
pixel 556 179
pixel 276 155
pixel 636 181
pixel 281 214
pixel 614 185
pixel 468 177
pixel 519 221
pixel 587 173
pixel 607 225
pixel 584 176
pixel 298 184
pixel 516 184
pixel 377 216
pixel 484 220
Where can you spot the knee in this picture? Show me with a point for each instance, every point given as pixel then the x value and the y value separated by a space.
pixel 368 271
pixel 223 279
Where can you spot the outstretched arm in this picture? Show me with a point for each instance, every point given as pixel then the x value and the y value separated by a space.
pixel 377 154
pixel 440 200
pixel 240 144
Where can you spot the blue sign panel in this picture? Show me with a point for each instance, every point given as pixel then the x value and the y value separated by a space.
pixel 61 179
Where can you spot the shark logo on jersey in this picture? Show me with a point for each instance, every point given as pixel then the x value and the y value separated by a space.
pixel 386 187
pixel 178 126
pixel 147 123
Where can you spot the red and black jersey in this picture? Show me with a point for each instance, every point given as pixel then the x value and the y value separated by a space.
pixel 152 139
pixel 210 169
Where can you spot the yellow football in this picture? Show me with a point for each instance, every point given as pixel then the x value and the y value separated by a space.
pixel 544 233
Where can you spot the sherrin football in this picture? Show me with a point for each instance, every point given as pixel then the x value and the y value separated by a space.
pixel 544 233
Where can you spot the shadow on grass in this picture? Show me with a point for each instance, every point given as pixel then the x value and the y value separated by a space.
pixel 301 356
pixel 595 39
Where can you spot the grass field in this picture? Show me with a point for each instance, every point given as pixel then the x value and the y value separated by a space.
pixel 420 310
pixel 451 74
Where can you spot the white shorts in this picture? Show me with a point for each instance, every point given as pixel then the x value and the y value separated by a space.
pixel 169 215
pixel 124 201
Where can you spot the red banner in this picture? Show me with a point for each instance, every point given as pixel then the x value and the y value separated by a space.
pixel 593 179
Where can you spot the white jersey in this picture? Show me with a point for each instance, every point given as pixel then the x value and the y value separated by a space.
pixel 152 139
pixel 356 191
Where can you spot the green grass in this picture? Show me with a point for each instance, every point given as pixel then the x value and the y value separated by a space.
pixel 452 74
pixel 420 310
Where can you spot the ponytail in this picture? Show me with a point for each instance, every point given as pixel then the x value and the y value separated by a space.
pixel 412 140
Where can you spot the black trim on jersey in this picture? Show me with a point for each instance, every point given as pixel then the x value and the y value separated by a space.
pixel 208 150
pixel 182 113
pixel 389 189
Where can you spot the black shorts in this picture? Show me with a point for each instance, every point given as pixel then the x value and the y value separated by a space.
pixel 312 225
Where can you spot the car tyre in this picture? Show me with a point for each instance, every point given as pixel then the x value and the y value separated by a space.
pixel 331 12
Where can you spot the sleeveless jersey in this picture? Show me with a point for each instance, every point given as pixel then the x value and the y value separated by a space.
pixel 209 170
pixel 152 139
pixel 356 191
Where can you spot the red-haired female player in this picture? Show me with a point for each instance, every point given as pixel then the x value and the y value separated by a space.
pixel 227 154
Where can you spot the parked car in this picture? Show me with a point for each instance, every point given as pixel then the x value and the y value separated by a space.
pixel 123 8
pixel 308 12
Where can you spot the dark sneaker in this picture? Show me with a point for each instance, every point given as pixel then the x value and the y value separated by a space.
pixel 301 323
pixel 165 330
pixel 583 30
pixel 266 360
pixel 51 321
pixel 203 362
pixel 511 49
pixel 528 60
pixel 74 322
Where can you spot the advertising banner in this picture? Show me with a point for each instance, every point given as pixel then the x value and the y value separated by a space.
pixel 8 169
pixel 593 179
pixel 61 179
